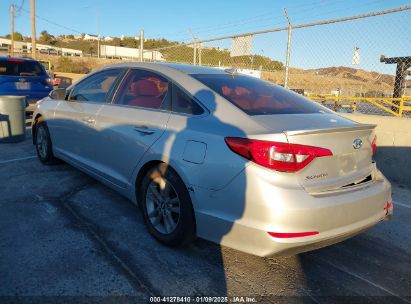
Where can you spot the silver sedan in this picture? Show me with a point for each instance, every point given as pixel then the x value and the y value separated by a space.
pixel 212 153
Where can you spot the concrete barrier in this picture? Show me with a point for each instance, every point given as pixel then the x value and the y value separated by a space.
pixel 393 145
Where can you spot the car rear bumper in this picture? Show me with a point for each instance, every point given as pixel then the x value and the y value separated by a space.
pixel 244 217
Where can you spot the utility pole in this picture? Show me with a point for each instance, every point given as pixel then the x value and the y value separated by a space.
pixel 287 59
pixel 98 33
pixel 12 29
pixel 33 29
pixel 141 45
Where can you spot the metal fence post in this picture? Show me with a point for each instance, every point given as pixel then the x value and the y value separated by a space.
pixel 199 54
pixel 287 59
pixel 401 106
pixel 195 53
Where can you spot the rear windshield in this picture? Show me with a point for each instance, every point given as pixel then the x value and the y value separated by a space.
pixel 21 68
pixel 257 97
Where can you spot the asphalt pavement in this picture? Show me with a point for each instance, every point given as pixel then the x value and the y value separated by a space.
pixel 66 237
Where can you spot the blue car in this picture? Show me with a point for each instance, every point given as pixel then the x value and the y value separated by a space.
pixel 24 77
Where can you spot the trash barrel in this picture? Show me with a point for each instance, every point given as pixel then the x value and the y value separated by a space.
pixel 12 118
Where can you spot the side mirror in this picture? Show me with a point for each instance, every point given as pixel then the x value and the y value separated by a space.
pixel 59 94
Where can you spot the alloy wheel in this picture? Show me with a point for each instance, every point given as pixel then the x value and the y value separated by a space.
pixel 42 142
pixel 163 205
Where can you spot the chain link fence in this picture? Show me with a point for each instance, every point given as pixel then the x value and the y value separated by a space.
pixel 337 62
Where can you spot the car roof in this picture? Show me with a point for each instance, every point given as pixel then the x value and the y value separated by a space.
pixel 6 58
pixel 193 69
pixel 182 68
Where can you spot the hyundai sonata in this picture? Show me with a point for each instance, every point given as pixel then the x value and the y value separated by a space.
pixel 211 153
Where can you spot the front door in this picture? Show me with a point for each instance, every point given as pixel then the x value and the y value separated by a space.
pixel 73 130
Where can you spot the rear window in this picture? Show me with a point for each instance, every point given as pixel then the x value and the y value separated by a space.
pixel 21 68
pixel 257 97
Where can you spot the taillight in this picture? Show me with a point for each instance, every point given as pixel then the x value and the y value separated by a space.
pixel 276 155
pixel 374 145
pixel 49 82
pixel 15 60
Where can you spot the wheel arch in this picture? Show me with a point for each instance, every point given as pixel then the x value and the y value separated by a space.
pixel 154 162
pixel 141 173
pixel 33 127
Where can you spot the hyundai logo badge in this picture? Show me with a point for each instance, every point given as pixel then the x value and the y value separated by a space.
pixel 357 143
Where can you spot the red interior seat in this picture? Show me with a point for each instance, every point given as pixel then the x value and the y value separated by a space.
pixel 146 94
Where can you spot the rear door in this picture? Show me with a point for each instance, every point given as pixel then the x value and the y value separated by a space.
pixel 128 127
pixel 73 127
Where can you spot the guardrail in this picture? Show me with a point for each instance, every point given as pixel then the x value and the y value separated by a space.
pixel 399 107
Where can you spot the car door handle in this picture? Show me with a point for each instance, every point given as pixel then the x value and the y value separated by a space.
pixel 143 130
pixel 88 120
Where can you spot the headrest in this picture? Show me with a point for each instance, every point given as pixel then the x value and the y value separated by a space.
pixel 144 87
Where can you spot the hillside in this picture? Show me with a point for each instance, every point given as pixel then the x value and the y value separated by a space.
pixel 349 80
pixel 354 74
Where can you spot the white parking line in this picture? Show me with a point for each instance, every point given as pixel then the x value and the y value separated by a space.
pixel 401 204
pixel 16 159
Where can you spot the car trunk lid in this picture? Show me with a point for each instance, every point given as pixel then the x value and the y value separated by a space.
pixel 350 143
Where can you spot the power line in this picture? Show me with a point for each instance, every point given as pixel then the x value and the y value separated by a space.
pixel 18 9
pixel 54 23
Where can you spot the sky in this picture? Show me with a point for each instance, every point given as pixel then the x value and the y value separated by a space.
pixel 176 20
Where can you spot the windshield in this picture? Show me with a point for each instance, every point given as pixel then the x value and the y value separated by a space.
pixel 257 97
pixel 21 68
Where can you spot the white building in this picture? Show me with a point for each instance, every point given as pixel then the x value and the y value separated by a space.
pixel 25 47
pixel 90 37
pixel 108 38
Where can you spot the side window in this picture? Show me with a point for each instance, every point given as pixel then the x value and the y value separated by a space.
pixel 96 87
pixel 182 103
pixel 144 89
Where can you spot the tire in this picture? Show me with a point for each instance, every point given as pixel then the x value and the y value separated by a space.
pixel 166 205
pixel 43 144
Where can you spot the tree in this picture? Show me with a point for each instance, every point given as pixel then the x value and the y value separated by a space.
pixel 17 36
pixel 45 37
